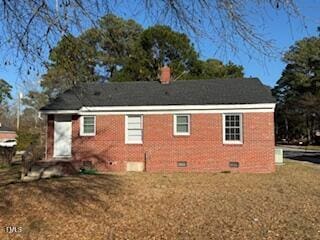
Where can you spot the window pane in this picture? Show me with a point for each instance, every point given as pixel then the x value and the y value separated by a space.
pixel 134 139
pixel 182 128
pixel 134 132
pixel 135 135
pixel 182 119
pixel 134 129
pixel 134 119
pixel 88 120
pixel 232 127
pixel 237 136
pixel 134 125
pixel 88 129
pixel 88 124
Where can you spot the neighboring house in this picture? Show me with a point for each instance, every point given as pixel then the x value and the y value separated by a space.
pixel 191 125
pixel 6 133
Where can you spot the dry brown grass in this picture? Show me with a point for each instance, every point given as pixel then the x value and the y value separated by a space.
pixel 282 205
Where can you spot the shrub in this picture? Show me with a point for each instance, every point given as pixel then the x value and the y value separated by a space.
pixel 89 171
pixel 25 139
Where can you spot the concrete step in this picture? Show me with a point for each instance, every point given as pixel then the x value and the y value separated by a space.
pixel 49 170
pixel 36 171
pixel 45 172
pixel 52 171
pixel 29 178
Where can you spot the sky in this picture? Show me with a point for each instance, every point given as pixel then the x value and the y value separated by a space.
pixel 276 27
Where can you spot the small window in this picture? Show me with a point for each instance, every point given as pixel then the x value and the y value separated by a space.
pixel 181 124
pixel 232 128
pixel 88 126
pixel 134 129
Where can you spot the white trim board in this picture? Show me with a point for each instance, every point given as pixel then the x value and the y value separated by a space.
pixel 11 132
pixel 176 112
pixel 59 111
pixel 170 109
pixel 181 107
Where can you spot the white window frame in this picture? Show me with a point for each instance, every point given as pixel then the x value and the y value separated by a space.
pixel 224 129
pixel 175 132
pixel 126 129
pixel 82 127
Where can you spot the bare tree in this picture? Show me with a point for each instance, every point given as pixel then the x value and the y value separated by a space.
pixel 30 28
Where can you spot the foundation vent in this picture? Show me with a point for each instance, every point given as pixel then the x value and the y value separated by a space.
pixel 182 164
pixel 135 166
pixel 234 164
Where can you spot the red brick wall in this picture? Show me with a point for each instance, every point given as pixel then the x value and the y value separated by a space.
pixel 50 132
pixel 203 149
pixel 8 135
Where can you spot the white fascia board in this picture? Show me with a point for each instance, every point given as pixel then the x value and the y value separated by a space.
pixel 178 109
pixel 7 131
pixel 58 111
pixel 168 109
pixel 181 107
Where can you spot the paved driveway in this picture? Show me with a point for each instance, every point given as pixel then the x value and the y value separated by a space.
pixel 299 154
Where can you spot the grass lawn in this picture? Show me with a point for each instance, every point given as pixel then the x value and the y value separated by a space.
pixel 281 205
pixel 311 147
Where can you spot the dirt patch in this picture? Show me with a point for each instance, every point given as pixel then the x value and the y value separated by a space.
pixel 281 205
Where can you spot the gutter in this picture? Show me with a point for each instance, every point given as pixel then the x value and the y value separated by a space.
pixel 167 109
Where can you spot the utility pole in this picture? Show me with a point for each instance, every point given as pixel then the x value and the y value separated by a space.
pixel 18 110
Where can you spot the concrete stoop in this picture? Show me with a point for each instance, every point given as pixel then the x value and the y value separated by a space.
pixel 38 172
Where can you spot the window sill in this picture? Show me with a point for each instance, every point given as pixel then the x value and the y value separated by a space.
pixel 87 135
pixel 239 143
pixel 134 143
pixel 181 135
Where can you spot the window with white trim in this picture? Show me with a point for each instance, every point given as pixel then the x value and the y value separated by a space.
pixel 232 128
pixel 88 126
pixel 182 124
pixel 134 129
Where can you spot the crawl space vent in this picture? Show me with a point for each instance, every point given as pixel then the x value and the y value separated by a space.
pixel 234 164
pixel 182 164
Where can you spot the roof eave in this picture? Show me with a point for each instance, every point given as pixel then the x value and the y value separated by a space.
pixel 167 108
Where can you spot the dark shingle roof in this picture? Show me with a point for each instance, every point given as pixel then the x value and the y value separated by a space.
pixel 6 129
pixel 182 92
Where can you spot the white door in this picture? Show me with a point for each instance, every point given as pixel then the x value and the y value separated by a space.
pixel 62 136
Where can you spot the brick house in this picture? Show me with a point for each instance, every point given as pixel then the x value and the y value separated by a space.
pixel 186 125
pixel 7 133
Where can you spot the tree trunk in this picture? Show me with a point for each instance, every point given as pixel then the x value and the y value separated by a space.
pixel 287 128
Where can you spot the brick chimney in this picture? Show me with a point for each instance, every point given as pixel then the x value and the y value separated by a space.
pixel 165 76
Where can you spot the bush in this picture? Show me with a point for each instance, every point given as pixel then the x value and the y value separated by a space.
pixel 32 154
pixel 25 139
pixel 6 155
pixel 4 166
pixel 89 171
